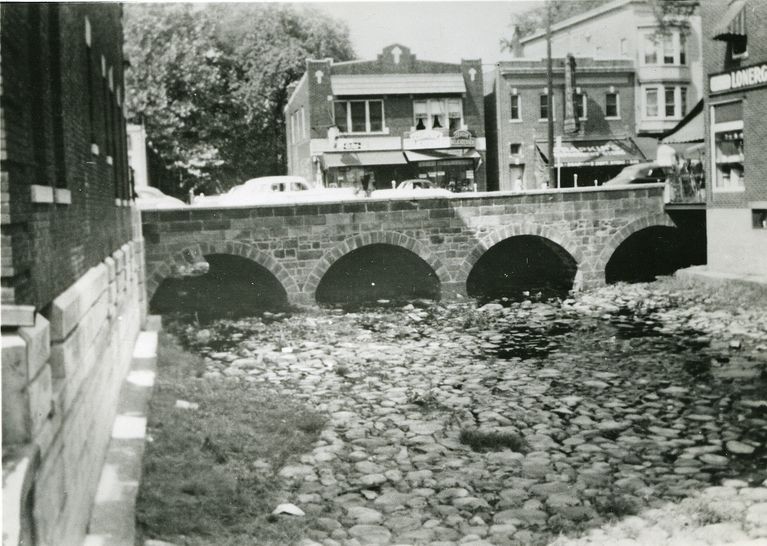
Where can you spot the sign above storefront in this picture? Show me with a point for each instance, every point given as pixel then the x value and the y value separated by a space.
pixel 425 139
pixel 462 139
pixel 748 77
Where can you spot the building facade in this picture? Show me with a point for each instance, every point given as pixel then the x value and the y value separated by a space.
pixel 372 123
pixel 669 72
pixel 72 273
pixel 735 53
pixel 601 99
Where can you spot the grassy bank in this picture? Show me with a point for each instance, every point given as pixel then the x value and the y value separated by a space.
pixel 209 473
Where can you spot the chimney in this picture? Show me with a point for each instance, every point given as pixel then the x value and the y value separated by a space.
pixel 571 115
pixel 516 47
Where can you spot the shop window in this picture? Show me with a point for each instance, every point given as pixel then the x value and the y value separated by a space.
pixel 728 146
pixel 682 48
pixel 651 102
pixel 515 148
pixel 438 114
pixel 670 103
pixel 759 217
pixel 515 108
pixel 612 109
pixel 359 116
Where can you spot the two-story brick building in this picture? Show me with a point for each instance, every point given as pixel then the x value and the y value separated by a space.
pixel 396 117
pixel 72 261
pixel 602 101
pixel 735 59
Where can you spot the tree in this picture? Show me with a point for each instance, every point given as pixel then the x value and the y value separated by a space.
pixel 210 84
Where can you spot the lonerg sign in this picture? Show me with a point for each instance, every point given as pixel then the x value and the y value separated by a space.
pixel 741 78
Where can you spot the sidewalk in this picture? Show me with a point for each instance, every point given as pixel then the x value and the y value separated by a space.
pixel 113 519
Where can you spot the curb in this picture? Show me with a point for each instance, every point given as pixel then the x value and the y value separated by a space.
pixel 113 519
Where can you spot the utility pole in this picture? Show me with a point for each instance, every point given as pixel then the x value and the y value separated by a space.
pixel 549 97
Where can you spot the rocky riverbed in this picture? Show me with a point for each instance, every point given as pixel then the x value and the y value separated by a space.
pixel 636 414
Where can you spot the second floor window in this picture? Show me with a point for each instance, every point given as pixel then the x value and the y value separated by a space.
pixel 359 116
pixel 611 105
pixel 438 114
pixel 651 103
pixel 581 108
pixel 515 107
pixel 544 107
pixel 670 108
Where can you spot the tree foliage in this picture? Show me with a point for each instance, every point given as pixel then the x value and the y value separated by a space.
pixel 210 83
pixel 528 22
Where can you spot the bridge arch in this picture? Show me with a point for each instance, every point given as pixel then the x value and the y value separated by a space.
pixel 370 238
pixel 612 244
pixel 563 241
pixel 187 256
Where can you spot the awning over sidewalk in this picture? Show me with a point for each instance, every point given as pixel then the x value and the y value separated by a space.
pixel 440 155
pixel 733 24
pixel 583 153
pixel 690 129
pixel 356 159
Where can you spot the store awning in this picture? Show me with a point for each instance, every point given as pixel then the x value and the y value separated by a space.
pixel 356 159
pixel 440 155
pixel 690 129
pixel 396 84
pixel 733 24
pixel 583 153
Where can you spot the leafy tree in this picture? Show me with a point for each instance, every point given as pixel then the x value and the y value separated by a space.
pixel 210 84
pixel 528 22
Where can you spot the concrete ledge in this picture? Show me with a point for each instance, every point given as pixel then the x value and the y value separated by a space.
pixel 703 273
pixel 113 516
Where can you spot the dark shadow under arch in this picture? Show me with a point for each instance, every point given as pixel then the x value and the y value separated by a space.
pixel 523 263
pixel 647 253
pixel 233 287
pixel 377 271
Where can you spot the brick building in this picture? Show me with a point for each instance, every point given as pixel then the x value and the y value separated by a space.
pixel 392 118
pixel 668 78
pixel 602 100
pixel 735 59
pixel 71 260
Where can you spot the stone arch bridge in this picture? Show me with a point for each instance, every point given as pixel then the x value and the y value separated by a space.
pixel 298 243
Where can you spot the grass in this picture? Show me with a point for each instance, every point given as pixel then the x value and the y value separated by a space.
pixel 479 440
pixel 200 484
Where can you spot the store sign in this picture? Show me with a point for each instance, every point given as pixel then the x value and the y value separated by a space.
pixel 462 139
pixel 349 145
pixel 424 139
pixel 359 144
pixel 749 77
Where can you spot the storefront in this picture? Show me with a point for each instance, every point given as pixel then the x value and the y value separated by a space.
pixel 589 162
pixel 367 170
pixel 450 162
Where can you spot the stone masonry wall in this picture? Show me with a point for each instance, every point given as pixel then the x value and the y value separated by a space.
pixel 299 243
pixel 60 381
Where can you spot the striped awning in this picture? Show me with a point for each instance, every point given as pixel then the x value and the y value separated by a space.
pixel 733 24
pixel 396 84
pixel 357 159
pixel 690 129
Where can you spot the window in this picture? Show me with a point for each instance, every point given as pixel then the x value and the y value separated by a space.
pixel 683 101
pixel 669 51
pixel 728 146
pixel 668 93
pixel 650 47
pixel 682 48
pixel 739 47
pixel 515 108
pixel 581 105
pixel 623 47
pixel 544 107
pixel 651 102
pixel 759 218
pixel 359 116
pixel 612 105
pixel 438 114
pixel 515 148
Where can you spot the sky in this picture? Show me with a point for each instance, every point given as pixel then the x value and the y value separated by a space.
pixel 433 30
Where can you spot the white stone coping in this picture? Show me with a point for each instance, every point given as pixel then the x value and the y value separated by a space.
pixel 63 196
pixel 41 194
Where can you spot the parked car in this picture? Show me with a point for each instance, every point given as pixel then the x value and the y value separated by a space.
pixel 415 187
pixel 273 189
pixel 640 173
pixel 152 198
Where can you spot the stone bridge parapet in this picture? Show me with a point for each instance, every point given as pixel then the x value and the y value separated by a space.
pixel 298 243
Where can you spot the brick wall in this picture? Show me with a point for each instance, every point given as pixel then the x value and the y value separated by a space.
pixel 47 138
pixel 298 243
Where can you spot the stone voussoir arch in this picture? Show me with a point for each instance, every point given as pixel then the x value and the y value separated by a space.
pixel 653 220
pixel 188 255
pixel 370 238
pixel 515 230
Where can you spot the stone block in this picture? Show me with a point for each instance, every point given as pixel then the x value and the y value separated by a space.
pixel 40 393
pixel 16 419
pixel 111 266
pixel 69 307
pixel 38 340
pixel 68 354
